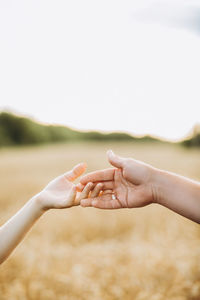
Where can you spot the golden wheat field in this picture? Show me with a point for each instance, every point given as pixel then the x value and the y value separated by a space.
pixel 88 254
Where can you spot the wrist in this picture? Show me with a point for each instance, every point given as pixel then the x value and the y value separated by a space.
pixel 38 204
pixel 158 183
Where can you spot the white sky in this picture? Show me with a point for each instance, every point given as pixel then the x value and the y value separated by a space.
pixel 129 65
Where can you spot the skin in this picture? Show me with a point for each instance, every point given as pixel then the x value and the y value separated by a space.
pixel 132 183
pixel 129 184
pixel 60 193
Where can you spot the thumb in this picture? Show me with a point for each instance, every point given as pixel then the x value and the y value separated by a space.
pixel 77 171
pixel 114 159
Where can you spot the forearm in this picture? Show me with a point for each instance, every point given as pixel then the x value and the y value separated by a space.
pixel 13 231
pixel 178 193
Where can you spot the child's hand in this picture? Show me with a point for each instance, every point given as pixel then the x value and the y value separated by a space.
pixel 59 193
pixel 129 185
pixel 62 193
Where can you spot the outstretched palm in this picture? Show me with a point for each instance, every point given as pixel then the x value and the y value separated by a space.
pixel 126 186
pixel 62 193
pixel 119 193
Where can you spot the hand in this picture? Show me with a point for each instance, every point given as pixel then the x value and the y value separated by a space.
pixel 128 185
pixel 62 193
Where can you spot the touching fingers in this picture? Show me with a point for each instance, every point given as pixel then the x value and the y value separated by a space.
pixel 95 192
pixel 88 202
pixel 80 187
pixel 108 192
pixel 85 193
pixel 105 185
pixel 108 185
pixel 108 204
pixel 106 201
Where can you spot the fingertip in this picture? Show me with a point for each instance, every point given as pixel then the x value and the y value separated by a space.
pixel 111 156
pixel 83 181
pixel 115 160
pixel 88 187
pixel 83 165
pixel 110 152
pixel 94 203
pixel 79 187
pixel 80 168
pixel 84 203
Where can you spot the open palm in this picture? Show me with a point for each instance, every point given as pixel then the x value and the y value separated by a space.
pixel 129 184
pixel 118 192
pixel 61 192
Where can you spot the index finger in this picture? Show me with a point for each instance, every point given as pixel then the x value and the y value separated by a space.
pixel 101 175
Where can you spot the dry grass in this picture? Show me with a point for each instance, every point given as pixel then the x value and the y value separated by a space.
pixel 148 253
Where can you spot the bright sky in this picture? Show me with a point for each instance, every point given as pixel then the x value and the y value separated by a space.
pixel 129 65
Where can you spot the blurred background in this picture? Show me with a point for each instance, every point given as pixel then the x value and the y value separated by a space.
pixel 77 78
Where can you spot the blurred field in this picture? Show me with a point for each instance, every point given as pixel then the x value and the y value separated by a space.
pixel 147 253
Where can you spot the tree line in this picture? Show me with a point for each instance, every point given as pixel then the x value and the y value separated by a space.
pixel 17 130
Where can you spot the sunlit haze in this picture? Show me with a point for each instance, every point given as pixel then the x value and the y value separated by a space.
pixel 109 65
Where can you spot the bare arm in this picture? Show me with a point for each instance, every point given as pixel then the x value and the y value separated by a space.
pixel 178 193
pixel 13 231
pixel 59 193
